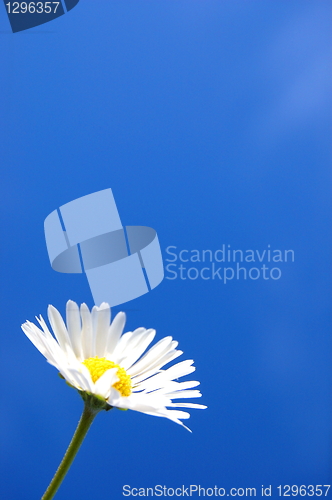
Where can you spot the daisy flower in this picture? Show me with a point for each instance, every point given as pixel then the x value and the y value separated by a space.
pixel 111 369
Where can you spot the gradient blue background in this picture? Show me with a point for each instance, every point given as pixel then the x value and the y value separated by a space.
pixel 211 122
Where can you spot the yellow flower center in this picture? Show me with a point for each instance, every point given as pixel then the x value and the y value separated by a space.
pixel 98 366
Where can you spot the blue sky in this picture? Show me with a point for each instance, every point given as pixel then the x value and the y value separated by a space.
pixel 211 123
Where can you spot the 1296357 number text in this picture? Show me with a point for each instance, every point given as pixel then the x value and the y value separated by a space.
pixel 32 7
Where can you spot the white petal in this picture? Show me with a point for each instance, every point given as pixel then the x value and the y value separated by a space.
pixel 160 380
pixel 46 345
pixel 59 328
pixel 73 320
pixel 38 340
pixel 104 384
pixel 136 402
pixel 103 317
pixel 144 339
pixel 114 333
pixel 188 405
pixel 128 342
pixel 46 331
pixel 179 370
pixel 168 414
pixel 153 354
pixel 79 379
pixel 84 370
pixel 88 345
pixel 178 414
pixel 184 394
pixel 178 386
pixel 155 367
pixel 122 344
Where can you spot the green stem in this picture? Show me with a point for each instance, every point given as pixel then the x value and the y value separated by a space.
pixel 81 431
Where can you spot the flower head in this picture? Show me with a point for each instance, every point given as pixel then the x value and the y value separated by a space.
pixel 97 359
